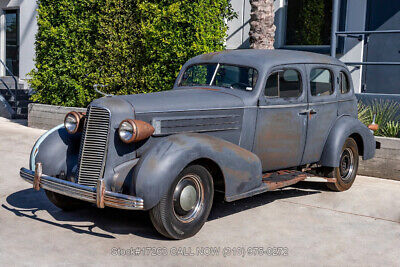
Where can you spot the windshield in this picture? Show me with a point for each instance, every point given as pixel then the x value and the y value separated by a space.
pixel 223 75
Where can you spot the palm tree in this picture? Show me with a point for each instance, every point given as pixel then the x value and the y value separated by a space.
pixel 262 28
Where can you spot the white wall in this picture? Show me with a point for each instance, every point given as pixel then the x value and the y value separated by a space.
pixel 28 29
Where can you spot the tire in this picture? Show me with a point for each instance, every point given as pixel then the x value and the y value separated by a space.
pixel 184 209
pixel 63 202
pixel 346 173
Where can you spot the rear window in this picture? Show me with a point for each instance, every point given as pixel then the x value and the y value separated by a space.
pixel 321 82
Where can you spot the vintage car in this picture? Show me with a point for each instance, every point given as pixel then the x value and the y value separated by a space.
pixel 239 122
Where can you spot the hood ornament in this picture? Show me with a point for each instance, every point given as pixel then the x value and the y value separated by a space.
pixel 95 86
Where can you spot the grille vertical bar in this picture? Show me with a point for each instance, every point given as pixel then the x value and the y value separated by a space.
pixel 93 146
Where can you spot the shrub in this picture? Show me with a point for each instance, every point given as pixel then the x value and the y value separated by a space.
pixel 65 48
pixel 391 129
pixel 132 46
pixel 387 116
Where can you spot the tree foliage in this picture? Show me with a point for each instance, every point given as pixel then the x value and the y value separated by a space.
pixel 132 46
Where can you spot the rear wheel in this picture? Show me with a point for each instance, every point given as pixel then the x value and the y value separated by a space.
pixel 63 202
pixel 184 209
pixel 346 173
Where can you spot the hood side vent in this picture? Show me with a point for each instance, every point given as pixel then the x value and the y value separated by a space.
pixel 173 125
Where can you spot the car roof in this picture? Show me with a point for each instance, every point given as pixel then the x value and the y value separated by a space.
pixel 263 58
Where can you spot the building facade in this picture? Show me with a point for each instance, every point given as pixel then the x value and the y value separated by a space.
pixel 18 27
pixel 368 36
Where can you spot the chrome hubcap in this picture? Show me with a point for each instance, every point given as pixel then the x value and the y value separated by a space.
pixel 188 198
pixel 346 166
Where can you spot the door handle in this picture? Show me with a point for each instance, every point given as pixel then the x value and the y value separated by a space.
pixel 307 111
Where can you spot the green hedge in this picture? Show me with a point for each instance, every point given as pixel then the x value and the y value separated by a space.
pixel 132 46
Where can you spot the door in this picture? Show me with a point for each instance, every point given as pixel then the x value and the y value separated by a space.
pixel 281 123
pixel 322 109
pixel 382 15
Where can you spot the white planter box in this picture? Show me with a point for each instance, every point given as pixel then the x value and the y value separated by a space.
pixel 386 163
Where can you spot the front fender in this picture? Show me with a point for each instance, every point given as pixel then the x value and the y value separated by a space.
pixel 343 128
pixel 57 150
pixel 162 163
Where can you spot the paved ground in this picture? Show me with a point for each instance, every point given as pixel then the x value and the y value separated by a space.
pixel 359 227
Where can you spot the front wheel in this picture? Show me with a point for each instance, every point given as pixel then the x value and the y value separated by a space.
pixel 346 173
pixel 184 209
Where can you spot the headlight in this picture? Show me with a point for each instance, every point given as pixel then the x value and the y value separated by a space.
pixel 134 130
pixel 72 122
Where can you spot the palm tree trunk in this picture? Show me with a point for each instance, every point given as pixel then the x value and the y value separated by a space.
pixel 262 28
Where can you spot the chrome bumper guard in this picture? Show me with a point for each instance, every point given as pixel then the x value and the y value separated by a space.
pixel 101 197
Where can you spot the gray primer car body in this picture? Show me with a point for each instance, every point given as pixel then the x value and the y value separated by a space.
pixel 262 135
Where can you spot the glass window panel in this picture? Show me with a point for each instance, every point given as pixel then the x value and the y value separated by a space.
pixel 229 76
pixel 198 75
pixel 344 83
pixel 236 77
pixel 12 41
pixel 284 84
pixel 289 84
pixel 308 22
pixel 271 87
pixel 321 82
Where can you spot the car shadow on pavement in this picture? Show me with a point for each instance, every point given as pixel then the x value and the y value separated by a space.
pixel 104 223
pixel 221 208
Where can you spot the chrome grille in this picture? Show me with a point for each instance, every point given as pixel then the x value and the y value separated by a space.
pixel 93 146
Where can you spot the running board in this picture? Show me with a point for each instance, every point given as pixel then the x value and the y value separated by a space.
pixel 275 180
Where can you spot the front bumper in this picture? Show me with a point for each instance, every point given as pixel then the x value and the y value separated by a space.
pixel 96 195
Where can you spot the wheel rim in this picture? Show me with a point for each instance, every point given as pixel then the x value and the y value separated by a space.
pixel 188 198
pixel 346 166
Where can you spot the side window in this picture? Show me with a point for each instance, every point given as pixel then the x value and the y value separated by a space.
pixel 344 83
pixel 321 82
pixel 283 84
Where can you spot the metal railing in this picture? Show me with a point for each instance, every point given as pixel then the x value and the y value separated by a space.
pixel 15 81
pixel 360 35
pixel 13 98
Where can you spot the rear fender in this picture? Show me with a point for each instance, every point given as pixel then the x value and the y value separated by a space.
pixel 162 163
pixel 344 127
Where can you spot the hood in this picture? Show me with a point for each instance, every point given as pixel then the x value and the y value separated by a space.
pixel 183 100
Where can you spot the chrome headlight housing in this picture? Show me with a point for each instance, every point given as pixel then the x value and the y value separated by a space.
pixel 126 131
pixel 134 130
pixel 72 122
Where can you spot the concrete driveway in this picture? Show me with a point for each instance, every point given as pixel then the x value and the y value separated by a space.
pixel 313 226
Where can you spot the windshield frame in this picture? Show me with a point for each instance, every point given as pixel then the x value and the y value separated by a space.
pixel 211 84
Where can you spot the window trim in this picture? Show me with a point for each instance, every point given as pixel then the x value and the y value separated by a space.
pixel 282 71
pixel 332 80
